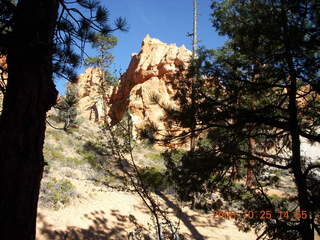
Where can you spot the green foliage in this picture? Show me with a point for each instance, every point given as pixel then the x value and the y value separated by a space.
pixel 122 138
pixel 94 153
pixel 104 178
pixel 111 79
pixel 247 101
pixel 92 159
pixel 54 154
pixel 89 157
pixel 147 134
pixel 97 147
pixel 73 161
pixel 74 29
pixel 68 108
pixel 103 43
pixel 57 193
pixel 175 155
pixel 156 157
pixel 57 155
pixel 154 179
pixel 92 61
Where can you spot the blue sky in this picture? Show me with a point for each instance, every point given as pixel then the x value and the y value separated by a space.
pixel 167 20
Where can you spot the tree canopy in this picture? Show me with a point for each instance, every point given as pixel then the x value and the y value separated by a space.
pixel 257 98
pixel 103 43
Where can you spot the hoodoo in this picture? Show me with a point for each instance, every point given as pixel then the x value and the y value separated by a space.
pixel 151 72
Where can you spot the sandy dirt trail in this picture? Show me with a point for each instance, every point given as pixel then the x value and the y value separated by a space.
pixel 104 215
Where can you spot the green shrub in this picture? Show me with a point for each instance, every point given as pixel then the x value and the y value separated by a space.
pixel 57 155
pixel 148 133
pixel 91 158
pixel 154 156
pixel 56 193
pixel 175 155
pixel 155 179
pixel 72 161
pixel 52 153
pixel 96 160
pixel 103 178
pixel 53 117
pixel 67 108
pixel 96 147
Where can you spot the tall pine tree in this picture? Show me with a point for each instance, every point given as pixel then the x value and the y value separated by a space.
pixel 38 37
pixel 103 43
pixel 256 98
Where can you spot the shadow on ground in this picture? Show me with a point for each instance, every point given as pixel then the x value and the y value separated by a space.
pixel 118 227
pixel 187 220
pixel 98 230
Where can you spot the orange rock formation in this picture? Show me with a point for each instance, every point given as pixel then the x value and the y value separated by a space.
pixel 150 73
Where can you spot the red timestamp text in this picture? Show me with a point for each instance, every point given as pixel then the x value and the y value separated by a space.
pixel 262 214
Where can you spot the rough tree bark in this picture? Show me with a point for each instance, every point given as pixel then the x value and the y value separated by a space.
pixel 30 94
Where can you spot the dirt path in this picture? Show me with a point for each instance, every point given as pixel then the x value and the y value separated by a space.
pixel 105 216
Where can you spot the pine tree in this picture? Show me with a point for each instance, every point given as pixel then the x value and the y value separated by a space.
pixel 257 97
pixel 68 108
pixel 103 43
pixel 38 40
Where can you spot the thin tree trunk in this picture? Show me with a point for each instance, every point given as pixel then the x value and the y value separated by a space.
pixel 305 223
pixel 104 85
pixel 29 95
pixel 305 228
pixel 194 50
pixel 250 178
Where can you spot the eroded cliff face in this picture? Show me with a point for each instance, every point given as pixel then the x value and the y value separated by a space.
pixel 150 74
pixel 91 100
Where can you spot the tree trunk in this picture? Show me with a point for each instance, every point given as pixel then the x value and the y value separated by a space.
pixel 305 228
pixel 194 53
pixel 30 94
pixel 251 163
pixel 300 181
